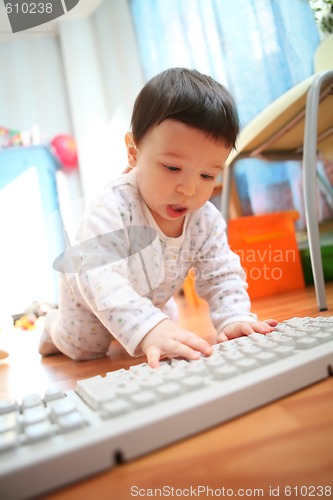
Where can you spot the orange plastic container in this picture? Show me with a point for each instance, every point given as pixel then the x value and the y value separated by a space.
pixel 267 247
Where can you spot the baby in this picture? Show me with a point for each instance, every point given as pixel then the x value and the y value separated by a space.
pixel 139 238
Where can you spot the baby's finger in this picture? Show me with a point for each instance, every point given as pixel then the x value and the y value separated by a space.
pixel 197 344
pixel 222 337
pixel 262 327
pixel 248 329
pixel 271 322
pixel 184 351
pixel 153 356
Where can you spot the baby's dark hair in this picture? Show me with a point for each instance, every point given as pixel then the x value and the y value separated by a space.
pixel 189 97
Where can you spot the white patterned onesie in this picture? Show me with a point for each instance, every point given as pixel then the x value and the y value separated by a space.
pixel 127 271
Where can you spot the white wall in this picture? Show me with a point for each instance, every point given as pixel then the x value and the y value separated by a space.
pixel 81 82
pixel 32 86
pixel 103 77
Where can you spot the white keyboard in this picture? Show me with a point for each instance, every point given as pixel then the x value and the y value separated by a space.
pixel 49 441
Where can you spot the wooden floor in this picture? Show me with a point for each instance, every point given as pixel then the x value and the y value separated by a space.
pixel 301 302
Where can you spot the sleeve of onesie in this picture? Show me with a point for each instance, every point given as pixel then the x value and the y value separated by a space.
pixel 221 279
pixel 112 280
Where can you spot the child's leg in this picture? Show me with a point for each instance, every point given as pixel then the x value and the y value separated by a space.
pixel 80 336
pixel 73 329
pixel 46 346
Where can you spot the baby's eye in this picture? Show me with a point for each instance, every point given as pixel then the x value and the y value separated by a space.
pixel 209 177
pixel 172 168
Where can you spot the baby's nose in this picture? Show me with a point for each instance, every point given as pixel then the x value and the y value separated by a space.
pixel 187 188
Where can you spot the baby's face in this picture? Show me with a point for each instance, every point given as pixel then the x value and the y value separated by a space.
pixel 177 169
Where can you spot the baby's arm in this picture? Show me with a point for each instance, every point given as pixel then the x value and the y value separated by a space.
pixel 169 340
pixel 241 328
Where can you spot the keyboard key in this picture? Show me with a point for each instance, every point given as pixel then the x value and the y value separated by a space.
pixel 61 407
pixel 34 415
pixel 144 398
pixel 250 349
pixel 228 346
pixel 39 431
pixel 255 337
pixel 175 374
pixel 280 339
pixel 328 319
pixel 247 364
pixel 283 328
pixel 9 422
pixel 179 363
pixel 197 367
pixel 192 382
pixel 140 372
pixel 31 400
pixel 326 326
pixel 265 344
pixel 7 406
pixel 141 368
pixel 118 375
pixel 169 390
pixel 115 408
pixel 324 336
pixel 233 356
pixel 294 334
pixel 153 380
pixel 265 356
pixel 308 329
pixel 324 320
pixel 71 421
pixel 225 371
pixel 283 351
pixel 127 389
pixel 212 363
pixel 306 342
pixel 8 440
pixel 101 397
pixel 295 322
pixel 318 324
pixel 97 390
pixel 241 341
pixel 53 393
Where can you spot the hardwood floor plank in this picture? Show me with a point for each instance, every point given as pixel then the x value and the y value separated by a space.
pixel 301 302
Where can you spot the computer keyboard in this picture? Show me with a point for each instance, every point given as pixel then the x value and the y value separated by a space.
pixel 50 440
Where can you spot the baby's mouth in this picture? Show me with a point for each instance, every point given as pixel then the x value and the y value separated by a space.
pixel 176 210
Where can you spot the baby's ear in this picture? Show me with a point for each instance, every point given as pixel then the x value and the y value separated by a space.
pixel 131 150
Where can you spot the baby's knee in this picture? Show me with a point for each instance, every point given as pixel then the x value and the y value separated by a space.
pixel 46 345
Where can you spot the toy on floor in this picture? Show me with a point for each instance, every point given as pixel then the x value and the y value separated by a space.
pixel 29 318
pixel 26 322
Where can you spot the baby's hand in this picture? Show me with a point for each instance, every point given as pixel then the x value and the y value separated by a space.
pixel 168 340
pixel 241 328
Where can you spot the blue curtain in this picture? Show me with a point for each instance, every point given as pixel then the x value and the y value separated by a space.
pixel 257 48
